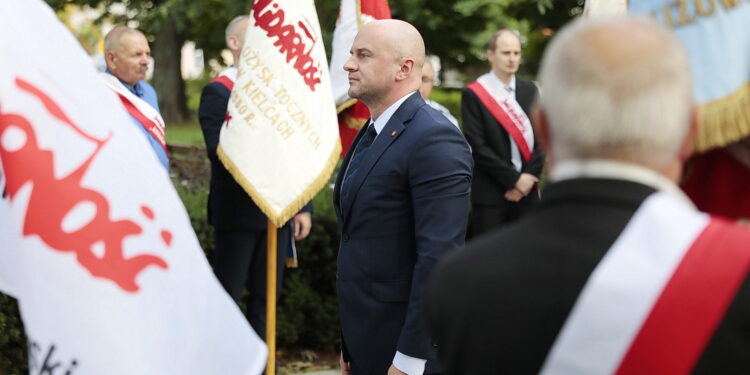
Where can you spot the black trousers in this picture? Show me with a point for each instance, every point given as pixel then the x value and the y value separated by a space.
pixel 240 262
pixel 487 218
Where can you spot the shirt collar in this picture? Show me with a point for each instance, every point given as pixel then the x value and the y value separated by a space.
pixel 381 121
pixel 502 84
pixel 602 168
pixel 137 90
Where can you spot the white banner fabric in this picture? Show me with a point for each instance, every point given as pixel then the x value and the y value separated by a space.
pixel 108 273
pixel 281 140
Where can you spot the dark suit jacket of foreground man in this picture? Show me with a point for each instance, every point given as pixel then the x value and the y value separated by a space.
pixel 407 208
pixel 498 306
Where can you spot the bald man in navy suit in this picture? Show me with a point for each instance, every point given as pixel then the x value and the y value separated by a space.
pixel 402 198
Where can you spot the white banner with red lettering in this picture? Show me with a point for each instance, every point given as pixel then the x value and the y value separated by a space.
pixel 96 245
pixel 281 140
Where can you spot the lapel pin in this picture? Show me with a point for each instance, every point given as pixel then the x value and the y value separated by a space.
pixel 393 134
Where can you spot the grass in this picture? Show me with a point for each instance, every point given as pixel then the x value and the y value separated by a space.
pixel 185 134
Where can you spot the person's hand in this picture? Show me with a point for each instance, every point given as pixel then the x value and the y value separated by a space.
pixel 394 371
pixel 525 183
pixel 302 225
pixel 344 365
pixel 514 195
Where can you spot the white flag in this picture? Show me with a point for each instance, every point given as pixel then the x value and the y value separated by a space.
pixel 605 8
pixel 108 273
pixel 281 140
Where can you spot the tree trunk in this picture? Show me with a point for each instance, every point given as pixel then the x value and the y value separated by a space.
pixel 167 75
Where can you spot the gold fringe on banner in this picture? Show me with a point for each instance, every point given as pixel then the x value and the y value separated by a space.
pixel 355 122
pixel 724 121
pixel 345 105
pixel 292 208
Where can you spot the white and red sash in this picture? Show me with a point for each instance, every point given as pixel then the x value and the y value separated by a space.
pixel 654 301
pixel 507 112
pixel 227 78
pixel 147 115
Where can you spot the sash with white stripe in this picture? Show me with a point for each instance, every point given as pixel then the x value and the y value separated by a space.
pixel 147 115
pixel 227 77
pixel 654 301
pixel 506 110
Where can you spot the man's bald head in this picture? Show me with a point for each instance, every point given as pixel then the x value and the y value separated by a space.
pixel 114 38
pixel 127 54
pixel 619 89
pixel 386 63
pixel 235 35
pixel 401 37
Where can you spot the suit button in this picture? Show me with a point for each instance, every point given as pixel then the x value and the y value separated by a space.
pixel 345 237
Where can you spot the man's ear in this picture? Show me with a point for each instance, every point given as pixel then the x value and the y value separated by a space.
pixel 233 43
pixel 109 59
pixel 688 144
pixel 406 68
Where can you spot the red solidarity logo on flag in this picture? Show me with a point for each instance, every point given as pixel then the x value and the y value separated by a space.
pixel 53 199
pixel 289 39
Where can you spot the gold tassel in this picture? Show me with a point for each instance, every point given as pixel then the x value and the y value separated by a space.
pixel 292 208
pixel 724 121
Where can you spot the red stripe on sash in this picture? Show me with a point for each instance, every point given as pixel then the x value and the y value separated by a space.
pixel 692 304
pixel 505 121
pixel 148 124
pixel 225 81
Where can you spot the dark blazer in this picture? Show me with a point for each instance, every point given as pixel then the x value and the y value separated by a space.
pixel 407 208
pixel 497 306
pixel 494 173
pixel 229 206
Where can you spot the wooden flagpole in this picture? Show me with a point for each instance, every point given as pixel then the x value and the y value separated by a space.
pixel 271 298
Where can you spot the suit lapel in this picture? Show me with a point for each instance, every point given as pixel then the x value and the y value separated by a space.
pixel 392 131
pixel 342 172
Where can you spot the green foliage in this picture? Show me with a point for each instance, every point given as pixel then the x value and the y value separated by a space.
pixel 185 134
pixel 202 21
pixel 193 89
pixel 451 99
pixel 12 339
pixel 190 173
pixel 308 311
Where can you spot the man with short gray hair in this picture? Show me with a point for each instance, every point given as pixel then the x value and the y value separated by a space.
pixel 127 55
pixel 615 271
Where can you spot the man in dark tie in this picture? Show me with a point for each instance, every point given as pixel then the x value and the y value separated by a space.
pixel 401 198
pixel 508 161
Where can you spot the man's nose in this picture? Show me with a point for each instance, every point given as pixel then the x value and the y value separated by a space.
pixel 349 65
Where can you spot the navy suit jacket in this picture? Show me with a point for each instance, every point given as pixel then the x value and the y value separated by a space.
pixel 407 208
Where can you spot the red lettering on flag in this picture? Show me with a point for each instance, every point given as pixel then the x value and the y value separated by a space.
pixel 53 198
